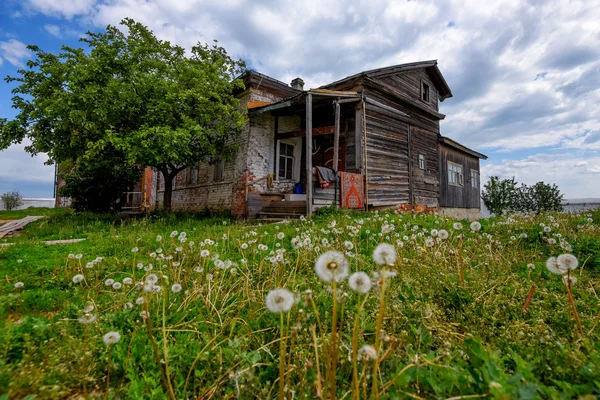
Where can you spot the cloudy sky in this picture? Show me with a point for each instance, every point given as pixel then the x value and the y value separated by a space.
pixel 525 74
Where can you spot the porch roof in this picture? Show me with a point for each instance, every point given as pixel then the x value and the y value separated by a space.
pixel 320 97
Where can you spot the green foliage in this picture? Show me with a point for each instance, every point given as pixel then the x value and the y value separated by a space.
pixel 11 200
pixel 503 195
pixel 97 185
pixel 499 195
pixel 129 91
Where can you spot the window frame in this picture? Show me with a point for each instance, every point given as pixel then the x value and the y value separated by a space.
pixel 219 170
pixel 460 181
pixel 192 175
pixel 285 157
pixel 425 92
pixel 474 179
pixel 421 158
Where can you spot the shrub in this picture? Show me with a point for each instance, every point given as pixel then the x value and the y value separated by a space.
pixel 98 184
pixel 501 196
pixel 12 200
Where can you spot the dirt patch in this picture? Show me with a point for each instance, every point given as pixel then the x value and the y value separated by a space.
pixel 3 221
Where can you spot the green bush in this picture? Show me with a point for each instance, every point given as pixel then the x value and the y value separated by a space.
pixel 12 200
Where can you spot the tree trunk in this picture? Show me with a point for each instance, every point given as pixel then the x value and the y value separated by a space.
pixel 168 178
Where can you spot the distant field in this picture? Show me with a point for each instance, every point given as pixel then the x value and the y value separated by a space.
pixel 445 318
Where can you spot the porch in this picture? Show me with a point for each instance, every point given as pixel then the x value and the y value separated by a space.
pixel 315 140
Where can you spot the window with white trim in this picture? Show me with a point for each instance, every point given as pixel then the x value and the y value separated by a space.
pixel 455 174
pixel 421 161
pixel 474 179
pixel 286 161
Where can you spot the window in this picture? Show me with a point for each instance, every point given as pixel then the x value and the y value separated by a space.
pixel 474 179
pixel 421 161
pixel 192 175
pixel 219 167
pixel 455 174
pixel 425 92
pixel 286 160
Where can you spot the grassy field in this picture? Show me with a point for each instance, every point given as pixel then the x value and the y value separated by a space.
pixel 177 308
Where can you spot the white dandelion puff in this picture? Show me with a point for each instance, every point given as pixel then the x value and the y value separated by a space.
pixel 475 226
pixel 152 278
pixel 111 338
pixel 367 353
pixel 443 234
pixel 176 288
pixel 280 300
pixel 332 266
pixel 78 278
pixel 555 267
pixel 127 281
pixel 117 285
pixel 19 285
pixel 457 226
pixel 568 262
pixel 360 282
pixel 384 254
pixel 87 318
pixel 140 300
pixel 109 282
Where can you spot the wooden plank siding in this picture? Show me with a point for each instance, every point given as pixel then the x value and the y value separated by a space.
pixel 426 182
pixel 387 157
pixel 464 196
pixel 409 83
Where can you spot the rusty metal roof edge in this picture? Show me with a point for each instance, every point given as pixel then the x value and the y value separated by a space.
pixel 461 147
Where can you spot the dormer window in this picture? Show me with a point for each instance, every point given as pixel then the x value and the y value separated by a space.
pixel 425 92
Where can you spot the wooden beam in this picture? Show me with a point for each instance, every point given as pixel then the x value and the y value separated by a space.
pixel 364 132
pixel 323 130
pixel 336 137
pixel 410 167
pixel 387 108
pixel 358 139
pixel 309 151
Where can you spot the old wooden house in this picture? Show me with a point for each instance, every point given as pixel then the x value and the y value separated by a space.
pixel 371 140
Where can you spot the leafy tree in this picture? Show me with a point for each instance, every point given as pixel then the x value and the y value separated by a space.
pixel 99 184
pixel 12 200
pixel 503 195
pixel 132 92
pixel 499 195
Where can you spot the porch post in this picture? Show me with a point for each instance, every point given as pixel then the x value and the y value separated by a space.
pixel 309 150
pixel 336 136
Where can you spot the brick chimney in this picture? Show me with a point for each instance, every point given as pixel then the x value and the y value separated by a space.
pixel 298 83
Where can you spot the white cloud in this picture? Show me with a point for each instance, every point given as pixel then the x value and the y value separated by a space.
pixel 14 51
pixel 54 30
pixel 18 165
pixel 66 8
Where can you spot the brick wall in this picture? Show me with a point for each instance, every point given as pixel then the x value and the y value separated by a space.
pixel 246 172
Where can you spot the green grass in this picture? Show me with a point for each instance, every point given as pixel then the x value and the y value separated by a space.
pixel 216 339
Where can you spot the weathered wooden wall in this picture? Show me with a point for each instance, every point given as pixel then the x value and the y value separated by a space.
pixel 387 157
pixel 426 183
pixel 464 196
pixel 409 83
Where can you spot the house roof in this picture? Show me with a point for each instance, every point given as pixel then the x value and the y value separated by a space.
pixel 455 145
pixel 430 66
pixel 251 77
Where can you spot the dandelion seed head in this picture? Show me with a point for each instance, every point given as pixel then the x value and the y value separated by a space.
pixel 332 266
pixel 367 353
pixel 19 285
pixel 117 285
pixel 360 282
pixel 127 281
pixel 109 282
pixel 77 278
pixel 384 254
pixel 87 318
pixel 279 300
pixel 568 262
pixel 111 338
pixel 475 226
pixel 176 288
pixel 555 267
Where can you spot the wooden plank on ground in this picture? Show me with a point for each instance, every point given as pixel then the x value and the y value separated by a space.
pixel 17 225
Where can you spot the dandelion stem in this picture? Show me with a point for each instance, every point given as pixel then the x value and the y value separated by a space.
pixel 281 358
pixel 333 348
pixel 355 382
pixel 374 387
pixel 314 336
pixel 108 373
pixel 572 302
